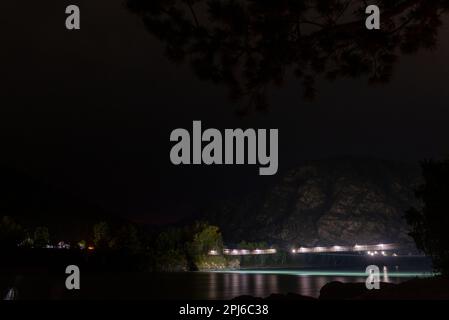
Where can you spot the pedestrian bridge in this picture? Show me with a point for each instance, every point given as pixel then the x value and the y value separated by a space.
pixel 242 252
pixel 371 249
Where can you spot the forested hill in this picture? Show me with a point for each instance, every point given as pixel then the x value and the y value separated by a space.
pixel 328 202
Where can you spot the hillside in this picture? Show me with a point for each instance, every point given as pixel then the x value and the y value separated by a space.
pixel 328 202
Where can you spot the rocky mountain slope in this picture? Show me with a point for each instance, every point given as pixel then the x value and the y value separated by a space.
pixel 328 202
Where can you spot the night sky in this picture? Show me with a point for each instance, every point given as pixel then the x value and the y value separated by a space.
pixel 91 112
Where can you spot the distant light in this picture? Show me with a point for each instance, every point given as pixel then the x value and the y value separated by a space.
pixel 90 248
pixel 293 250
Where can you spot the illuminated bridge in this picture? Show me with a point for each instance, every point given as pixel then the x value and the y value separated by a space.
pixel 375 249
pixel 243 252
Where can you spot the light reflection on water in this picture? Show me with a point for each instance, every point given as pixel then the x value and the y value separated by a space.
pixel 262 283
pixel 194 285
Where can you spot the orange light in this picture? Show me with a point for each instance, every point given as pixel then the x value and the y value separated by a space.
pixel 90 248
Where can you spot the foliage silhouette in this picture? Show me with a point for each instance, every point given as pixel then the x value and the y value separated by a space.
pixel 102 235
pixel 430 224
pixel 41 237
pixel 250 45
pixel 11 233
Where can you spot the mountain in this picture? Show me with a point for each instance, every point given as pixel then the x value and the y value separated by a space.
pixel 328 202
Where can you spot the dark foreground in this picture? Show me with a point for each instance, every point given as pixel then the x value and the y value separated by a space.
pixel 436 288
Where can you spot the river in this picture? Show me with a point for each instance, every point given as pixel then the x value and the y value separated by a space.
pixel 190 285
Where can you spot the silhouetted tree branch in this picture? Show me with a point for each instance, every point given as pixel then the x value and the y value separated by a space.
pixel 250 45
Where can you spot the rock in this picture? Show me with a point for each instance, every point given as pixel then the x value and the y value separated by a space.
pixel 278 296
pixel 341 291
pixel 289 296
pixel 329 202
pixel 434 288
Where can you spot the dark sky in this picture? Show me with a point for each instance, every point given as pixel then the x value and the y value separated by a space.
pixel 91 111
